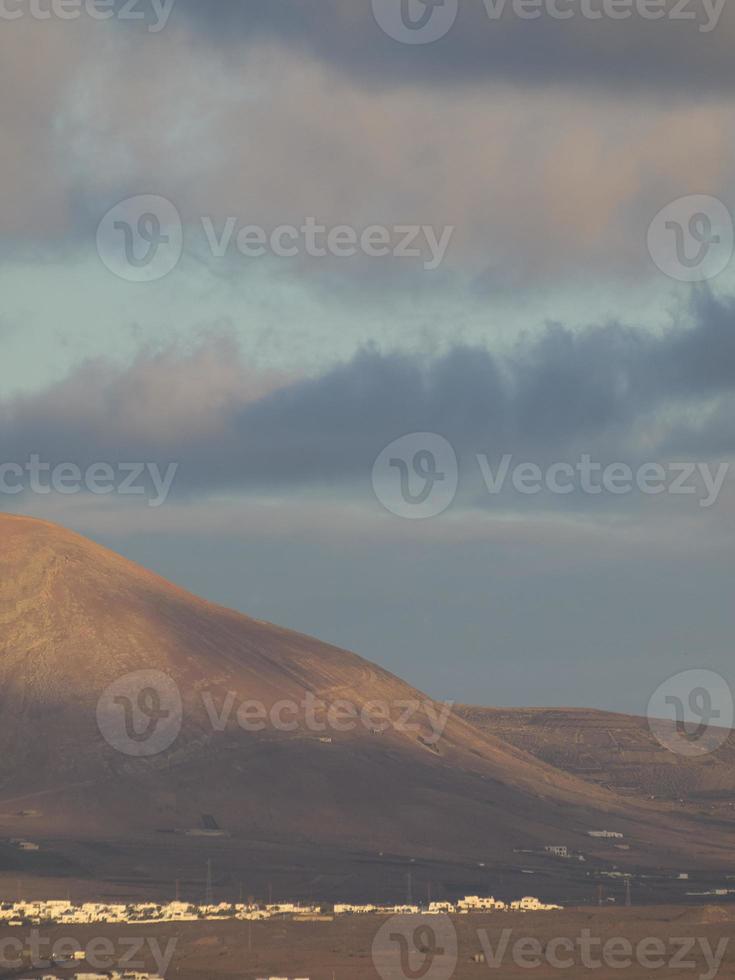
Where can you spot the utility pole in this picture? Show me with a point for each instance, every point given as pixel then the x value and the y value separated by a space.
pixel 208 899
pixel 627 893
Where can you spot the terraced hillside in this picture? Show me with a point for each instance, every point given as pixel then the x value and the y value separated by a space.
pixel 615 751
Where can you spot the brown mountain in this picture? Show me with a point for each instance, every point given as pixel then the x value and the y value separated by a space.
pixel 612 750
pixel 76 621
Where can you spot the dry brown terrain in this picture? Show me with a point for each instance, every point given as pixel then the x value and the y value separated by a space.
pixel 344 949
pixel 615 751
pixel 345 815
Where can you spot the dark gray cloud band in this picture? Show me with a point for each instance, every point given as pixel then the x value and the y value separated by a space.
pixel 687 49
pixel 613 390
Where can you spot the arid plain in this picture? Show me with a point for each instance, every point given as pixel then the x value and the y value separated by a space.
pixel 345 815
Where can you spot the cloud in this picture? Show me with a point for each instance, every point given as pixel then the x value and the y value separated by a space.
pixel 616 391
pixel 539 185
pixel 536 185
pixel 688 50
pixel 37 61
pixel 163 398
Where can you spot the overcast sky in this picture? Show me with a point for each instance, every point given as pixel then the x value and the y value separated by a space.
pixel 250 245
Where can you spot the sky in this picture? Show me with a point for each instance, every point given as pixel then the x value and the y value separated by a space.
pixel 406 324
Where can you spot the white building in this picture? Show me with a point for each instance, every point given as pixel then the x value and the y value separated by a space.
pixel 532 904
pixel 473 903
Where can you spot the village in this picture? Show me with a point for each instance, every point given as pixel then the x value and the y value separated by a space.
pixel 60 912
pixel 114 975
